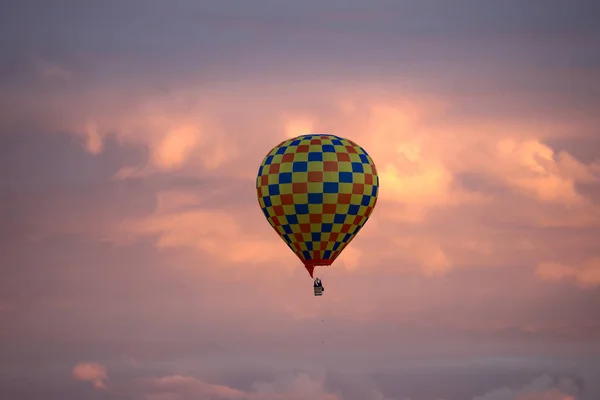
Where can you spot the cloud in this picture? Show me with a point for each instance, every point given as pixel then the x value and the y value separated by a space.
pixel 146 238
pixel 298 386
pixel 587 274
pixel 180 221
pixel 428 255
pixel 91 372
pixel 446 176
pixel 458 174
pixel 174 148
pixel 50 70
pixel 179 387
pixel 542 388
pixel 295 126
pixel 535 169
pixel 407 153
pixel 93 139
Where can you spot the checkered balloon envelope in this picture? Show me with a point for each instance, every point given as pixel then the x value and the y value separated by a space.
pixel 317 191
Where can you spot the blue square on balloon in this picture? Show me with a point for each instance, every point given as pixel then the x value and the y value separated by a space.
pixel 267 200
pixel 357 167
pixel 264 210
pixel 326 227
pixel 287 239
pixel 331 187
pixel 353 209
pixel 269 160
pixel 363 158
pixel 291 219
pixel 328 148
pixel 366 199
pixel 299 166
pixel 315 198
pixel 337 142
pixel 339 219
pixel 306 255
pixel 345 177
pixel 295 142
pixel 315 156
pixel 374 191
pixel 281 150
pixel 273 190
pixel 260 170
pixel 326 254
pixel 285 177
pixel 336 246
pixel 316 236
pixel 347 237
pixel 301 209
pixel 309 246
pixel 287 229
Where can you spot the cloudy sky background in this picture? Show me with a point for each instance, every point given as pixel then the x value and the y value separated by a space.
pixel 136 264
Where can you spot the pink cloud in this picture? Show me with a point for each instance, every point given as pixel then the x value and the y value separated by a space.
pixel 147 240
pixel 50 70
pixel 183 387
pixel 91 372
pixel 542 388
pixel 194 134
pixel 586 274
pixel 293 386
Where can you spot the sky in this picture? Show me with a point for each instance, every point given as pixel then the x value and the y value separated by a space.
pixel 136 263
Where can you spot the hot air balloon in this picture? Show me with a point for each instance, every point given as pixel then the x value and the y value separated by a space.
pixel 317 191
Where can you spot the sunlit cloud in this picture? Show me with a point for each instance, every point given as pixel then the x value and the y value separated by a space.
pixel 94 141
pixel 179 223
pixel 420 163
pixel 174 147
pixel 297 126
pixel 131 235
pixel 586 274
pixel 428 255
pixel 91 372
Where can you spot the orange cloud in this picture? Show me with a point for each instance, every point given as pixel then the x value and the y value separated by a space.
pixel 295 126
pixel 94 142
pixel 531 166
pixel 420 161
pixel 430 257
pixel 173 149
pixel 586 274
pixel 218 233
pixel 411 173
pixel 91 372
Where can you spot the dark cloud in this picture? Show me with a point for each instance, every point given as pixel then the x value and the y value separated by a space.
pixel 451 382
pixel 115 39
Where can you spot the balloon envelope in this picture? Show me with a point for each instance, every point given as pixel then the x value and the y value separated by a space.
pixel 317 192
